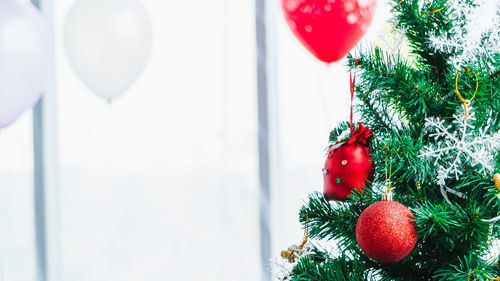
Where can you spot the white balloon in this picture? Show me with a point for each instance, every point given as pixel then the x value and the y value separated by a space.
pixel 23 58
pixel 108 43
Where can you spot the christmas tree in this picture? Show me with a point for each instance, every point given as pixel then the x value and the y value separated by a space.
pixel 434 149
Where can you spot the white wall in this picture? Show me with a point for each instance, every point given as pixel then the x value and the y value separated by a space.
pixel 162 184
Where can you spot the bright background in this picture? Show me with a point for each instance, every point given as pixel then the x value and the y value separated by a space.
pixel 162 184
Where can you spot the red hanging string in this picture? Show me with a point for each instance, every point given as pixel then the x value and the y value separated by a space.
pixel 352 81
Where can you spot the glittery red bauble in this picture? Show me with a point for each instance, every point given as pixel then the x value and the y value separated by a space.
pixel 329 29
pixel 347 167
pixel 385 233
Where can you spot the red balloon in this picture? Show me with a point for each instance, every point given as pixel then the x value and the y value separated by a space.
pixel 385 232
pixel 347 168
pixel 329 29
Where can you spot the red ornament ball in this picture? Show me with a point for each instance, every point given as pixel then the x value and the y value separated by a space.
pixel 385 233
pixel 348 165
pixel 329 29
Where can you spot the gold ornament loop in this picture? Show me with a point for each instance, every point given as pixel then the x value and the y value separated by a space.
pixel 426 14
pixel 435 11
pixel 306 232
pixel 466 101
pixel 491 278
pixel 393 9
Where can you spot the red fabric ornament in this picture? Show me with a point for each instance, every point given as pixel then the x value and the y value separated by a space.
pixel 385 233
pixel 348 165
pixel 329 29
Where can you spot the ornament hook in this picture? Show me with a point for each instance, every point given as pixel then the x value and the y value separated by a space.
pixel 387 196
pixel 388 175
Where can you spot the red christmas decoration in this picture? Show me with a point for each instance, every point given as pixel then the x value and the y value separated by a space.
pixel 385 232
pixel 329 29
pixel 348 165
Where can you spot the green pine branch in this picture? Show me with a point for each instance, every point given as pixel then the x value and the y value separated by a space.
pixel 340 269
pixel 396 96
